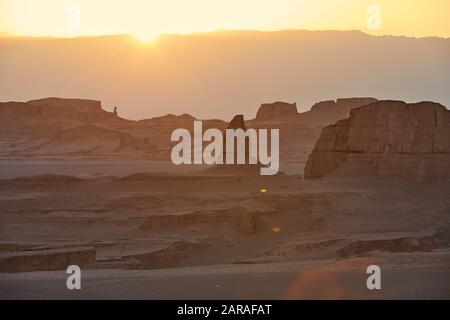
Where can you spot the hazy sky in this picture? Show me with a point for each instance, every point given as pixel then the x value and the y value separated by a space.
pixel 149 18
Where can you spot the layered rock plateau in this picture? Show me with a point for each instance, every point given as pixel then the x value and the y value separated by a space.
pixel 55 127
pixel 394 138
pixel 270 111
pixel 299 131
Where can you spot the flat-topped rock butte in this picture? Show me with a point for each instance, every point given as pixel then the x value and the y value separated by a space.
pixel 396 139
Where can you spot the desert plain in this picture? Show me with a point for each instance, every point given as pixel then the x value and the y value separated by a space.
pixel 361 182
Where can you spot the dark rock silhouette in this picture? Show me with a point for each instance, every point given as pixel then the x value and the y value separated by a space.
pixel 237 122
pixel 235 169
pixel 269 111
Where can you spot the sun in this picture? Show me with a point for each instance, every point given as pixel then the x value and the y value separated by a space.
pixel 145 37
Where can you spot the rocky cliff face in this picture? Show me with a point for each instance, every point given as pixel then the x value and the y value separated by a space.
pixel 60 126
pixel 237 170
pixel 300 131
pixel 54 109
pixel 330 111
pixel 78 127
pixel 237 122
pixel 269 111
pixel 395 138
pixel 77 105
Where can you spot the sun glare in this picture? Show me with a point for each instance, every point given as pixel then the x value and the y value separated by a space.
pixel 145 37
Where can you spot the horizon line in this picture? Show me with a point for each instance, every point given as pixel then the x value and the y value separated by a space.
pixel 6 34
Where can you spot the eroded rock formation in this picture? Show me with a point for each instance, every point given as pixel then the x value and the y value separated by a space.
pixel 237 122
pixel 395 138
pixel 328 112
pixel 54 109
pixel 269 111
pixel 300 131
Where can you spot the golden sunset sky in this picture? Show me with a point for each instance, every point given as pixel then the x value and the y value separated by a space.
pixel 149 18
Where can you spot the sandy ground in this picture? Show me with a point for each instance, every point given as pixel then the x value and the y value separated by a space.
pixel 11 168
pixel 345 279
pixel 148 236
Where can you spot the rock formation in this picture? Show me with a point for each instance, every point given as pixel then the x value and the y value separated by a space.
pixel 171 120
pixel 237 122
pixel 57 126
pixel 246 169
pixel 330 111
pixel 300 131
pixel 54 109
pixel 75 105
pixel 322 113
pixel 77 127
pixel 395 138
pixel 269 111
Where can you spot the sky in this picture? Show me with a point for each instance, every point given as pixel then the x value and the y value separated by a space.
pixel 147 19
